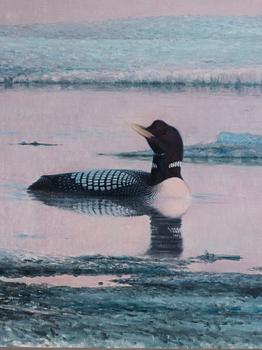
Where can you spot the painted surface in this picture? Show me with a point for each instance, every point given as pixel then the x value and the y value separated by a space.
pixel 191 268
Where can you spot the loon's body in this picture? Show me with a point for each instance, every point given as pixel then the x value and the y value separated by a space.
pixel 165 175
pixel 102 182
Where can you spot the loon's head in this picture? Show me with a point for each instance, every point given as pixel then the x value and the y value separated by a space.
pixel 167 145
pixel 164 139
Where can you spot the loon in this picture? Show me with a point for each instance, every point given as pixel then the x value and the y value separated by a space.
pixel 165 178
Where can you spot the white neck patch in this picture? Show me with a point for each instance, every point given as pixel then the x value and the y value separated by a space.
pixel 176 164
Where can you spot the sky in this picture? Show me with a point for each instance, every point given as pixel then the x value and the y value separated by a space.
pixel 52 11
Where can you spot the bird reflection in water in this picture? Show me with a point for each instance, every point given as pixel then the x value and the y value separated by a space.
pixel 166 231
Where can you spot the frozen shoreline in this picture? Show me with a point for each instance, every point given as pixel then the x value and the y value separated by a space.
pixel 160 307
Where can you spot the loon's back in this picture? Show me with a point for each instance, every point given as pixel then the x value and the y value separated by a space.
pixel 105 182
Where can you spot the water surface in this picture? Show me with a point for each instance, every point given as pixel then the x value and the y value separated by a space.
pixel 224 216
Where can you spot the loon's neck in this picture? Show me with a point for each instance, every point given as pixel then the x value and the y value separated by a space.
pixel 165 167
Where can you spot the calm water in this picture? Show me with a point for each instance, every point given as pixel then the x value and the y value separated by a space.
pixel 224 217
pixel 104 273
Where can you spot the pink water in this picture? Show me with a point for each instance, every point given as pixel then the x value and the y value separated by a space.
pixel 224 218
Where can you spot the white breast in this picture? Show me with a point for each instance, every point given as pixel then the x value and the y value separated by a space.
pixel 172 198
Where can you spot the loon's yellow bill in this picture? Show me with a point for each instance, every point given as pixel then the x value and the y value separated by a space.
pixel 141 130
